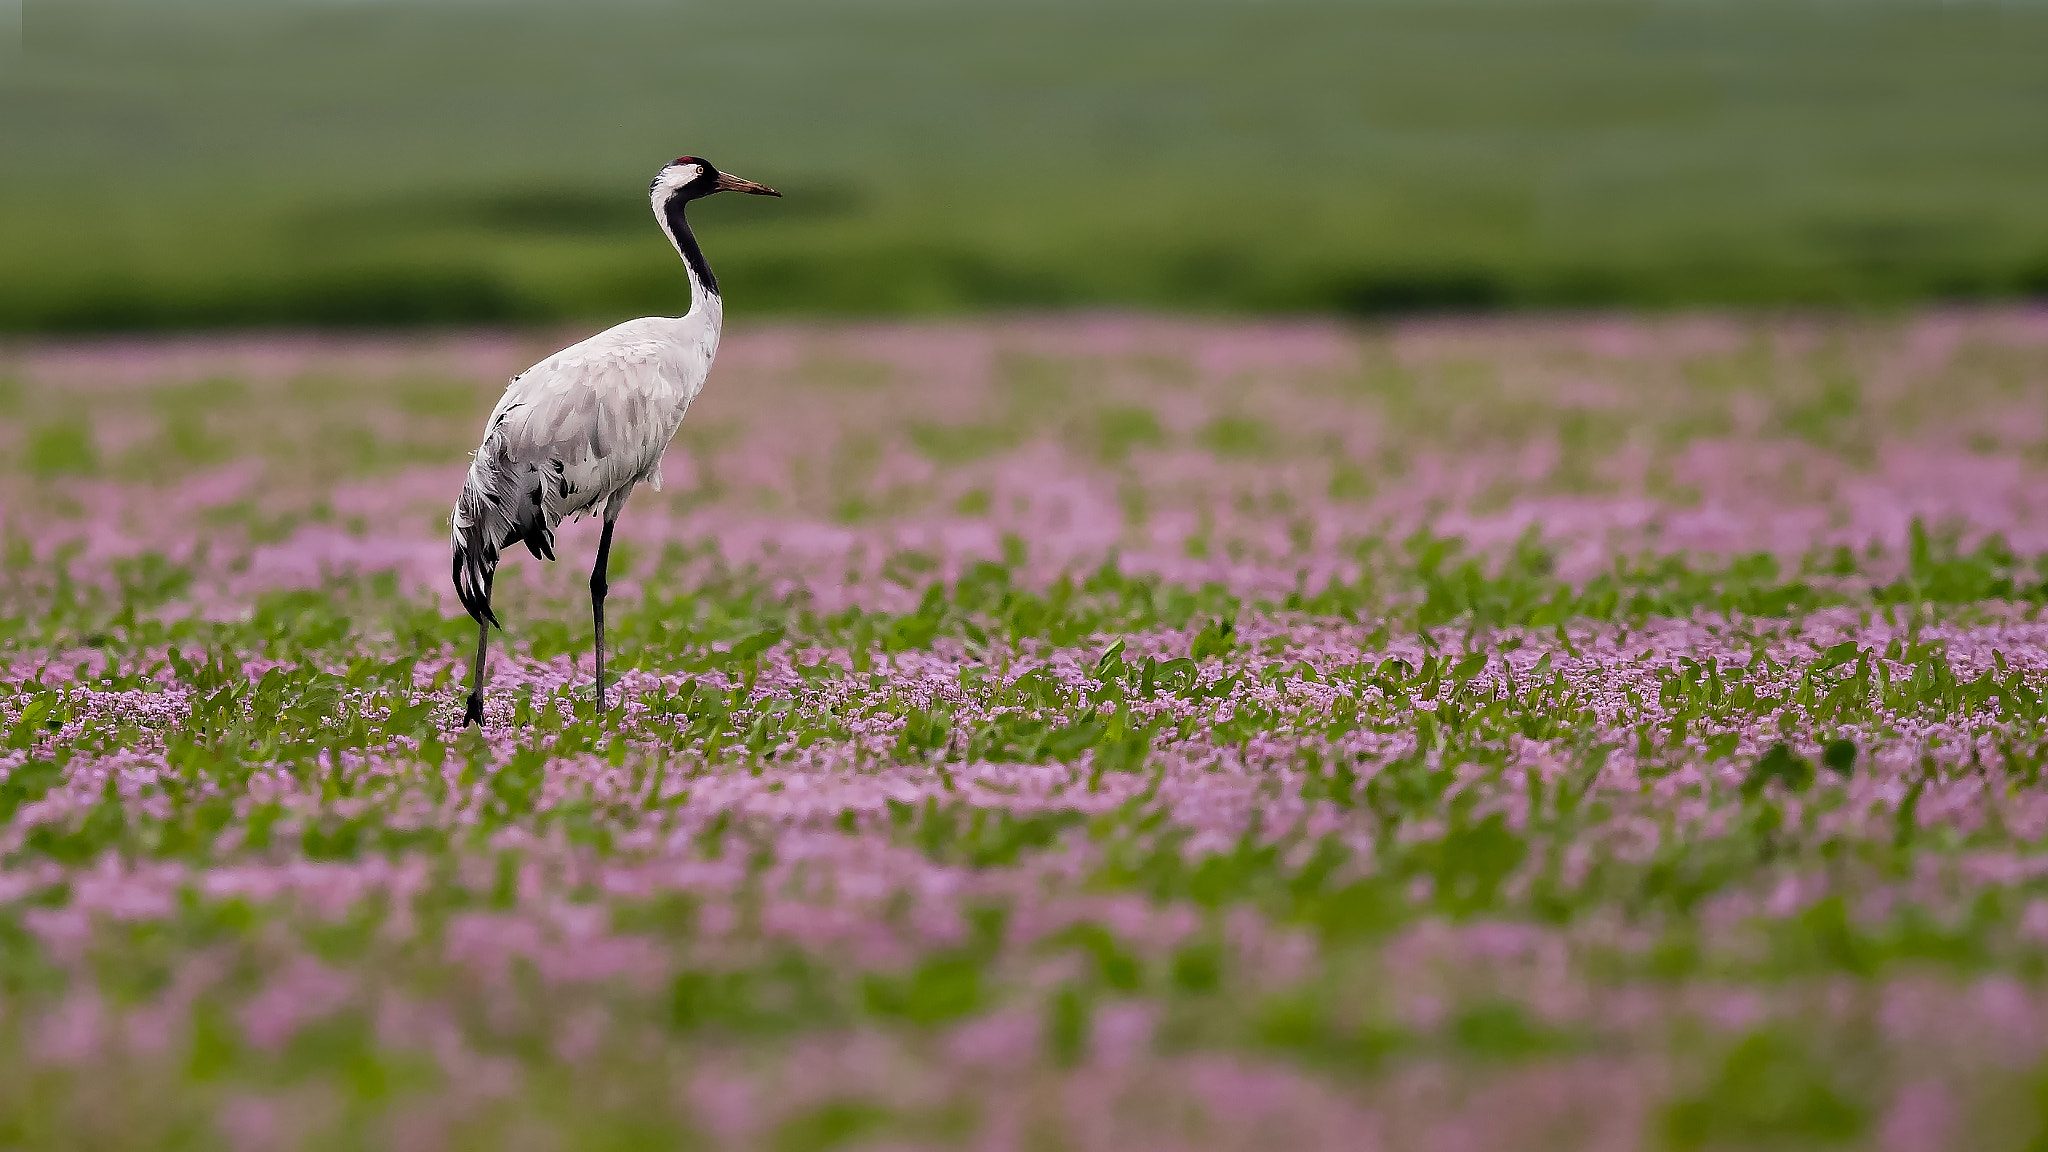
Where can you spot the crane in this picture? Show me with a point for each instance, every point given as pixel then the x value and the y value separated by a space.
pixel 577 431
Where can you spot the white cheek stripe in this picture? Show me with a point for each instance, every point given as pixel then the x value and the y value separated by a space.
pixel 674 177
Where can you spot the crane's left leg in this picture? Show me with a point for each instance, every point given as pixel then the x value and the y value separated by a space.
pixel 597 591
pixel 474 712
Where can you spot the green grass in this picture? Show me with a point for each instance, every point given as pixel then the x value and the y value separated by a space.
pixel 229 162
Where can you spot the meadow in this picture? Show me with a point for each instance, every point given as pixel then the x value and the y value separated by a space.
pixel 1094 733
pixel 294 162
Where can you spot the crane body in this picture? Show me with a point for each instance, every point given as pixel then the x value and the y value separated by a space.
pixel 577 432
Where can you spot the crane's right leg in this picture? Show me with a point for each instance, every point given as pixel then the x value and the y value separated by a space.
pixel 597 591
pixel 475 713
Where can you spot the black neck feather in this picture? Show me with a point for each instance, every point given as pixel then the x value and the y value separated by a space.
pixel 679 227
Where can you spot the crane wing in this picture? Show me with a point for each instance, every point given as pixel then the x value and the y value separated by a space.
pixel 577 430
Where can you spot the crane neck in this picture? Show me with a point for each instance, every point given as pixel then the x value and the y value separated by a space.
pixel 703 283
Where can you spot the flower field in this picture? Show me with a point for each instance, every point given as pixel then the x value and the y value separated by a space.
pixel 1089 734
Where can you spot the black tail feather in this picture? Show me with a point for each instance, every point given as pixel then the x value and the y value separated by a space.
pixel 475 569
pixel 501 505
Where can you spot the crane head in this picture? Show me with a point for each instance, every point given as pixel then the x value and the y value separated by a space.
pixel 692 177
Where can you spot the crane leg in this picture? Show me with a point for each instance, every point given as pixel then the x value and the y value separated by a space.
pixel 597 591
pixel 474 714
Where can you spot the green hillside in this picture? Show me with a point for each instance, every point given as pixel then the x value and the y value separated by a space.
pixel 230 162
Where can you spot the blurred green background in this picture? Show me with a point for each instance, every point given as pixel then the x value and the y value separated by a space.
pixel 235 162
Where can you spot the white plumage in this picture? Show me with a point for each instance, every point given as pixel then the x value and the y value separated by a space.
pixel 578 431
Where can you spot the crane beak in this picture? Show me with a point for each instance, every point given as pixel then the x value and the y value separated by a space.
pixel 727 182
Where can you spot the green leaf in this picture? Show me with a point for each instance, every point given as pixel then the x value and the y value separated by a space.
pixel 753 645
pixel 1839 756
pixel 1781 764
pixel 1067 1016
pixel 1770 1090
pixel 1064 744
pixel 29 725
pixel 1110 663
pixel 1836 656
pixel 941 989
pixel 26 784
pixel 1215 640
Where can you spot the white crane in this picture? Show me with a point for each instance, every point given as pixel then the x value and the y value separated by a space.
pixel 582 427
